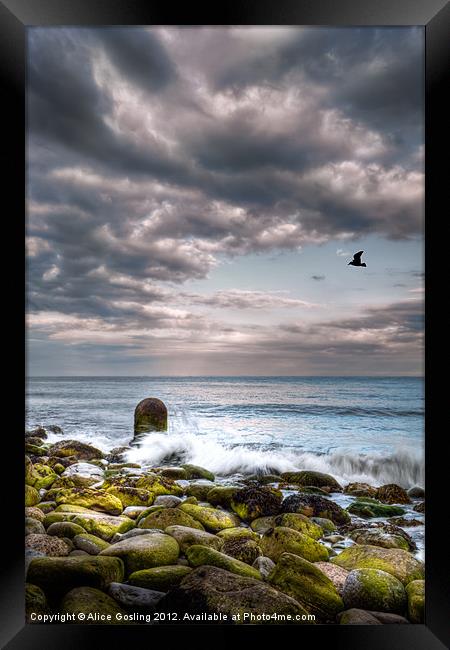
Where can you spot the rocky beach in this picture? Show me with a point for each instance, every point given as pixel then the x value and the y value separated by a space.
pixel 109 541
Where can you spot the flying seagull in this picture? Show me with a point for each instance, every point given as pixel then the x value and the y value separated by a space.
pixel 356 261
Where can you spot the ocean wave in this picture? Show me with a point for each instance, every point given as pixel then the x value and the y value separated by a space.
pixel 404 467
pixel 317 409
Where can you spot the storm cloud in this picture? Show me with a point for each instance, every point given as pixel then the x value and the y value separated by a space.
pixel 157 155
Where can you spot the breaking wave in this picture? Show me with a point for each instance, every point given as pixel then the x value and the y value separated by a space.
pixel 403 467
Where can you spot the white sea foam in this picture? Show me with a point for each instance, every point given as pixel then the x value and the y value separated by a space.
pixel 404 466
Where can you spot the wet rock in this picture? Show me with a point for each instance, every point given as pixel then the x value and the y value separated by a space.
pixel 65 529
pixel 306 583
pixel 50 546
pixel 397 562
pixel 356 616
pixel 89 543
pixel 33 526
pixel 135 598
pixel 131 496
pixel 212 519
pixel 253 502
pixel 299 523
pixel 199 489
pixel 392 493
pixel 360 490
pixel 150 415
pixel 367 508
pixel 38 432
pixel 91 498
pixel 195 471
pixel 87 601
pixel 415 591
pixel 186 537
pixel 169 517
pixel 416 492
pixel 312 505
pixel 335 573
pixel 31 496
pixel 242 548
pixel 144 552
pixel 161 578
pixel 175 473
pixel 211 590
pixel 134 532
pixel 279 540
pixel 238 533
pixel 372 589
pixel 81 450
pixel 378 537
pixel 420 507
pixel 167 500
pixel 264 565
pixel 34 513
pixel 312 479
pixel 198 555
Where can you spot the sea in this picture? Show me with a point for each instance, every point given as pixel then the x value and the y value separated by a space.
pixel 368 429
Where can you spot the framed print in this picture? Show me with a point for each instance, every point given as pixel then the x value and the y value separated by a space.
pixel 230 329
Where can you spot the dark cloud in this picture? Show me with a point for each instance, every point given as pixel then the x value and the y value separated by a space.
pixel 318 277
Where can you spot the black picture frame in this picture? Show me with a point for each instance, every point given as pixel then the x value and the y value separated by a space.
pixel 15 17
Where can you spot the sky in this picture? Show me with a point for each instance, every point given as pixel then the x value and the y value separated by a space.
pixel 194 196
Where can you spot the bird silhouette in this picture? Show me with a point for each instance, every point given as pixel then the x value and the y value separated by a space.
pixel 356 261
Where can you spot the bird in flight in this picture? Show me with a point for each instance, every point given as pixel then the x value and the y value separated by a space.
pixel 356 261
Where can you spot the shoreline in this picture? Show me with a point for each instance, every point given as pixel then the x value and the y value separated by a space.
pixel 108 535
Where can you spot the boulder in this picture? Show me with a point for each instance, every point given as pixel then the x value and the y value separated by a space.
pixel 378 537
pixel 175 473
pixel 58 575
pixel 31 496
pixel 221 495
pixel 65 529
pixel 313 505
pixel 415 591
pixel 211 518
pixel 392 493
pixel 264 565
pixel 90 498
pixel 372 589
pixel 161 578
pixel 81 450
pixel 252 502
pixel 420 507
pixel 335 573
pixel 306 583
pixel 357 617
pixel 360 490
pixel 167 500
pixel 35 602
pixel 144 551
pixel 131 496
pixel 37 432
pixel 169 517
pixel 198 555
pixel 150 415
pixel 135 598
pixel 416 492
pixel 90 543
pixel 96 606
pixel 312 479
pixel 242 548
pixel 261 524
pixel 209 590
pixel 43 476
pixel 238 533
pixel 34 513
pixel 368 508
pixel 279 540
pixel 300 523
pixel 188 536
pixel 397 562
pixel 33 527
pixel 50 546
pixel 195 471
pixel 158 485
pixel 96 523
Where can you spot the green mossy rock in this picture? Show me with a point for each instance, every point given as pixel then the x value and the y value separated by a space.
pixel 237 533
pixel 250 503
pixel 80 450
pixel 360 490
pixel 221 495
pixel 395 561
pixel 90 543
pixel 392 493
pixel 70 507
pixel 313 479
pixel 313 505
pixel 188 536
pixel 46 506
pixel 35 601
pixel 150 415
pixel 169 517
pixel 160 578
pixel 144 551
pixel 158 485
pixel 31 496
pixel 35 450
pixel 363 507
pixel 375 590
pixel 415 591
pixel 65 529
pixel 261 524
pixel 306 583
pixel 194 471
pixel 103 526
pixel 299 523
pixel 33 527
pixel 90 498
pixel 326 524
pixel 378 537
pixel 198 555
pixel 90 601
pixel 212 519
pixel 44 476
pixel 174 473
pixel 211 590
pixel 130 496
pixel 58 575
pixel 199 490
pixel 279 540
